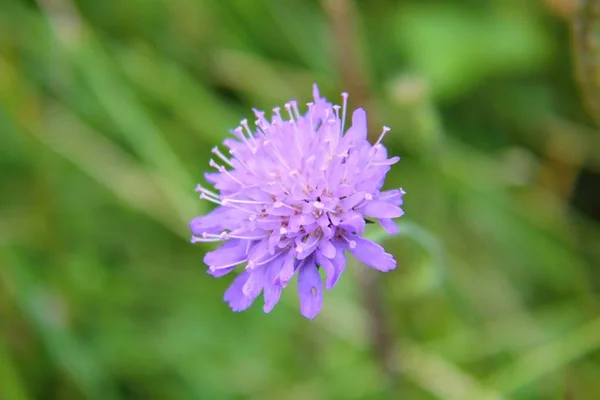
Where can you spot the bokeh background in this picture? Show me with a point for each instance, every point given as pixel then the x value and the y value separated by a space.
pixel 108 112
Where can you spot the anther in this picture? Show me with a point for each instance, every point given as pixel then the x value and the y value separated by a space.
pixel 386 129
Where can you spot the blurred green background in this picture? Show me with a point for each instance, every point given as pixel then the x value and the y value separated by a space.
pixel 108 112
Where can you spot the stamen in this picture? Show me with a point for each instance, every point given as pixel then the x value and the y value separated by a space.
pixel 196 239
pixel 215 150
pixel 239 133
pixel 344 104
pixel 277 154
pixel 305 246
pixel 260 115
pixel 222 170
pixel 310 113
pixel 268 260
pixel 351 243
pixel 229 235
pixel 220 236
pixel 261 129
pixel 277 113
pixel 227 201
pixel 288 108
pixel 386 129
pixel 239 159
pixel 252 263
pixel 336 108
pixel 297 139
pixel 279 204
pixel 247 128
pixel 212 197
pixel 226 266
pixel 204 196
pixel 295 107
pixel 199 188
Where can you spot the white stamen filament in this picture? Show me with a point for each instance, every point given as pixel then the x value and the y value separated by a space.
pixel 215 150
pixel 288 108
pixel 260 115
pixel 351 243
pixel 277 154
pixel 337 111
pixel 268 260
pixel 212 268
pixel 279 204
pixel 297 138
pixel 310 113
pixel 204 196
pixel 344 104
pixel 229 235
pixel 220 236
pixel 295 107
pixel 308 246
pixel 386 129
pixel 223 170
pixel 247 128
pixel 277 113
pixel 261 128
pixel 196 239
pixel 239 133
pixel 239 159
pixel 201 189
pixel 228 200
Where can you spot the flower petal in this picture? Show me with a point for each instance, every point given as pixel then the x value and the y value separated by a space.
pixel 217 273
pixel 352 200
pixel 380 209
pixel 327 249
pixel 353 222
pixel 392 196
pixel 388 225
pixel 255 282
pixel 272 288
pixel 310 289
pixel 231 253
pixel 339 262
pixel 333 269
pixel 358 130
pixel 234 296
pixel 209 223
pixel 287 269
pixel 372 254
pixel 272 293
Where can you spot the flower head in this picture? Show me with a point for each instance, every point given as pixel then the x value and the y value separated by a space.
pixel 293 195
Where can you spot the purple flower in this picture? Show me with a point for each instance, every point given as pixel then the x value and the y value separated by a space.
pixel 292 197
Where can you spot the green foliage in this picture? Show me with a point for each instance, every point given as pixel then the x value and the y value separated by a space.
pixel 108 112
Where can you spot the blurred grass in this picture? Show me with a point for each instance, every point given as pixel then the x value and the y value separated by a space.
pixel 108 112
